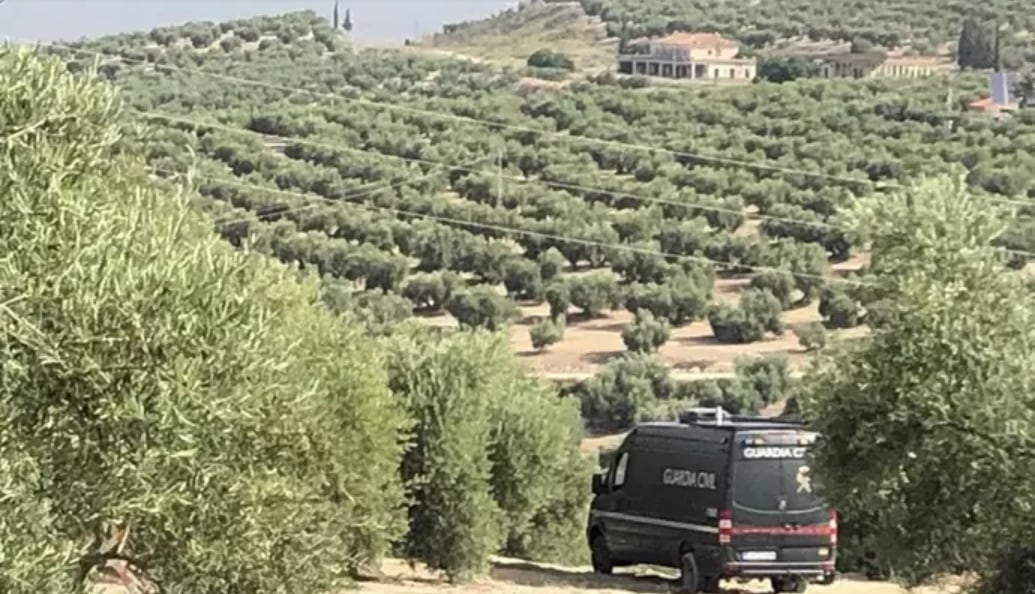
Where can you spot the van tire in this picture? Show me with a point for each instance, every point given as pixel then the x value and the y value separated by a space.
pixel 601 556
pixel 690 578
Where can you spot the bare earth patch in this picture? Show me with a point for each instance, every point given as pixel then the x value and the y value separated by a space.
pixel 692 352
pixel 519 577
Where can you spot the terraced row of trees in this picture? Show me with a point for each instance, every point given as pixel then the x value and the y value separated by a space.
pixel 382 180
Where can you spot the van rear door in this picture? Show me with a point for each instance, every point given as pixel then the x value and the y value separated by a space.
pixel 776 515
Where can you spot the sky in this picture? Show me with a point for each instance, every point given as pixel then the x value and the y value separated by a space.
pixel 374 21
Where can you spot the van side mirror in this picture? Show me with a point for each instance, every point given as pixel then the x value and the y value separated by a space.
pixel 599 484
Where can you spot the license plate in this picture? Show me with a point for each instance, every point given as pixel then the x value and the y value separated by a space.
pixel 758 556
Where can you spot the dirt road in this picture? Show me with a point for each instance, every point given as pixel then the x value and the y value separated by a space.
pixel 518 577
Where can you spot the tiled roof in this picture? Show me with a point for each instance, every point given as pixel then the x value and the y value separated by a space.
pixel 703 40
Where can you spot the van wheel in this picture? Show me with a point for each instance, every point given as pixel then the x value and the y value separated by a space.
pixel 601 556
pixel 690 579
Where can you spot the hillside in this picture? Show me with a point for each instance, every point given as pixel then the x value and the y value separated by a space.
pixel 510 37
pixel 380 171
pixel 886 22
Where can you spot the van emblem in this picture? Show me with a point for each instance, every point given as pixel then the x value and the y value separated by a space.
pixel 804 480
pixel 783 504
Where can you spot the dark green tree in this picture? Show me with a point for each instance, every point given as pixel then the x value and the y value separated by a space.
pixel 975 47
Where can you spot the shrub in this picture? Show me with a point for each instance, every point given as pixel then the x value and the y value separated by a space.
pixel 812 336
pixel 380 312
pixel 613 399
pixel 646 334
pixel 778 282
pixel 594 292
pixel 558 295
pixel 431 290
pixel 522 279
pixel 838 308
pixel 732 325
pixel 231 44
pixel 759 311
pixel 762 381
pixel 481 307
pixel 184 386
pixel 546 333
pixel 454 521
pixel 545 58
pixel 551 263
pixel 495 462
pixel 682 299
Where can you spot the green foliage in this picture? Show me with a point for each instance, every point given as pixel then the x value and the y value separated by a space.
pixel 551 264
pixel 547 58
pixel 812 336
pixel 780 283
pixel 539 475
pixel 761 381
pixel 453 518
pixel 430 291
pixel 758 312
pixel 481 307
pixel 646 334
pixel 594 292
pixel 494 463
pixel 522 279
pixel 975 48
pixel 838 308
pixel 547 332
pixel 558 295
pixel 927 423
pixel 344 222
pixel 615 398
pixel 184 386
pixel 781 70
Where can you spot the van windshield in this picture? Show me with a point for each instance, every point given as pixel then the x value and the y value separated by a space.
pixel 774 485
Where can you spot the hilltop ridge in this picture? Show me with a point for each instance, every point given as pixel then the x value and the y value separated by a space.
pixel 511 36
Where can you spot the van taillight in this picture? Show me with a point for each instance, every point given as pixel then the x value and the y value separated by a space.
pixel 725 526
pixel 833 527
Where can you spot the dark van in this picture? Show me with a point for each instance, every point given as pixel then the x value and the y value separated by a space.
pixel 717 496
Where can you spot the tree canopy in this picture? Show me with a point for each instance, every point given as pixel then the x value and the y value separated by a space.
pixel 928 424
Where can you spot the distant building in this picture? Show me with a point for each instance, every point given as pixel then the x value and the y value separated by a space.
pixel 1001 98
pixel 880 64
pixel 694 56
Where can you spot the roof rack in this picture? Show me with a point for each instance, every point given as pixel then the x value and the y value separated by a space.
pixel 719 416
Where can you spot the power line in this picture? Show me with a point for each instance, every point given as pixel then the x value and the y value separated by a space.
pixel 504 229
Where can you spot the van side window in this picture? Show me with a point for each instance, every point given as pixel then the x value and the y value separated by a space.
pixel 623 463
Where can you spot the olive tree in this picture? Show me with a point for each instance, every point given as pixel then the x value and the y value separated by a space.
pixel 927 423
pixel 184 387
